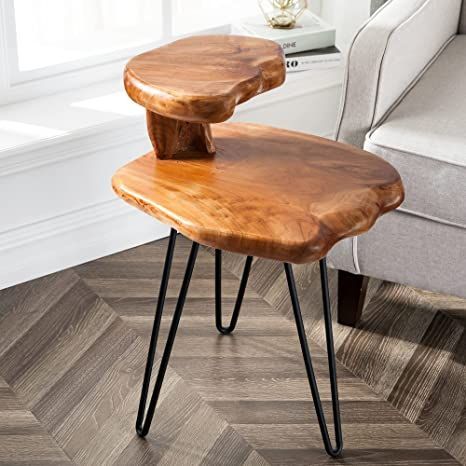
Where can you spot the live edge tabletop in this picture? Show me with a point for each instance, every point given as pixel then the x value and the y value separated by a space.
pixel 246 188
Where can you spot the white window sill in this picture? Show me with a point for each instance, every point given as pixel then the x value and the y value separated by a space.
pixel 32 132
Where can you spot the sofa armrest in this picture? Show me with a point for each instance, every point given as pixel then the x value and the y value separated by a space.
pixel 388 55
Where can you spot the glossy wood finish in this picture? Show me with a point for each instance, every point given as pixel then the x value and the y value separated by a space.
pixel 192 82
pixel 202 78
pixel 73 348
pixel 267 192
pixel 351 295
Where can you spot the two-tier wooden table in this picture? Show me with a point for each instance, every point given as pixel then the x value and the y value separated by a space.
pixel 246 188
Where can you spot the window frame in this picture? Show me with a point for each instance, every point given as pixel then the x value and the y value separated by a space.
pixel 16 85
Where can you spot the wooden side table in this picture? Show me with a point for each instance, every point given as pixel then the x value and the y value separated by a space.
pixel 250 189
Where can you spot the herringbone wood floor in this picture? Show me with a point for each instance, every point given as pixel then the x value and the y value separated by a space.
pixel 73 347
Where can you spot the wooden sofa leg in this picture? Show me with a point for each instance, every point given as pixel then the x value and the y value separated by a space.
pixel 351 294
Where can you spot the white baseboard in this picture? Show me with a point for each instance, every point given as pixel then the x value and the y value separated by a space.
pixel 44 247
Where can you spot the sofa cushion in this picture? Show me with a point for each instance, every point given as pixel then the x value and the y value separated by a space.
pixel 424 137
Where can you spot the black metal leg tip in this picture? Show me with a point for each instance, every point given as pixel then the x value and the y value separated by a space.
pixel 140 432
pixel 335 453
pixel 224 330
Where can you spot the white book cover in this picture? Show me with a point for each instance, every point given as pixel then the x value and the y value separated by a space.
pixel 328 57
pixel 311 32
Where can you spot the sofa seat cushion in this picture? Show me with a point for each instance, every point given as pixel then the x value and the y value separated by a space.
pixel 424 137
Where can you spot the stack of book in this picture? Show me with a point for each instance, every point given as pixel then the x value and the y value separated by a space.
pixel 308 46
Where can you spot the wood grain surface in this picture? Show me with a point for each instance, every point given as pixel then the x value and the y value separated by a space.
pixel 268 192
pixel 202 78
pixel 71 370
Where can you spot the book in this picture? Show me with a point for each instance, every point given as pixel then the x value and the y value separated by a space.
pixel 310 33
pixel 328 57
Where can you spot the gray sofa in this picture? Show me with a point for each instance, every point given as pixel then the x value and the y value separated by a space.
pixel 405 100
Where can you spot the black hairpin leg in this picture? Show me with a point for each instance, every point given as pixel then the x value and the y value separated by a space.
pixel 142 427
pixel 332 451
pixel 218 293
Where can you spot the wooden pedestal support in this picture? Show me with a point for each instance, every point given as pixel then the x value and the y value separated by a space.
pixel 173 139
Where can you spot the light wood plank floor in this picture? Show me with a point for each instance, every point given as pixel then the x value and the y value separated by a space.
pixel 73 348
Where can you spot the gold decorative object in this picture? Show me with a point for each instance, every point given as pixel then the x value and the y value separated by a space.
pixel 282 14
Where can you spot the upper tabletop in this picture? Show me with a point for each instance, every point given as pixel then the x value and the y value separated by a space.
pixel 203 78
pixel 268 192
